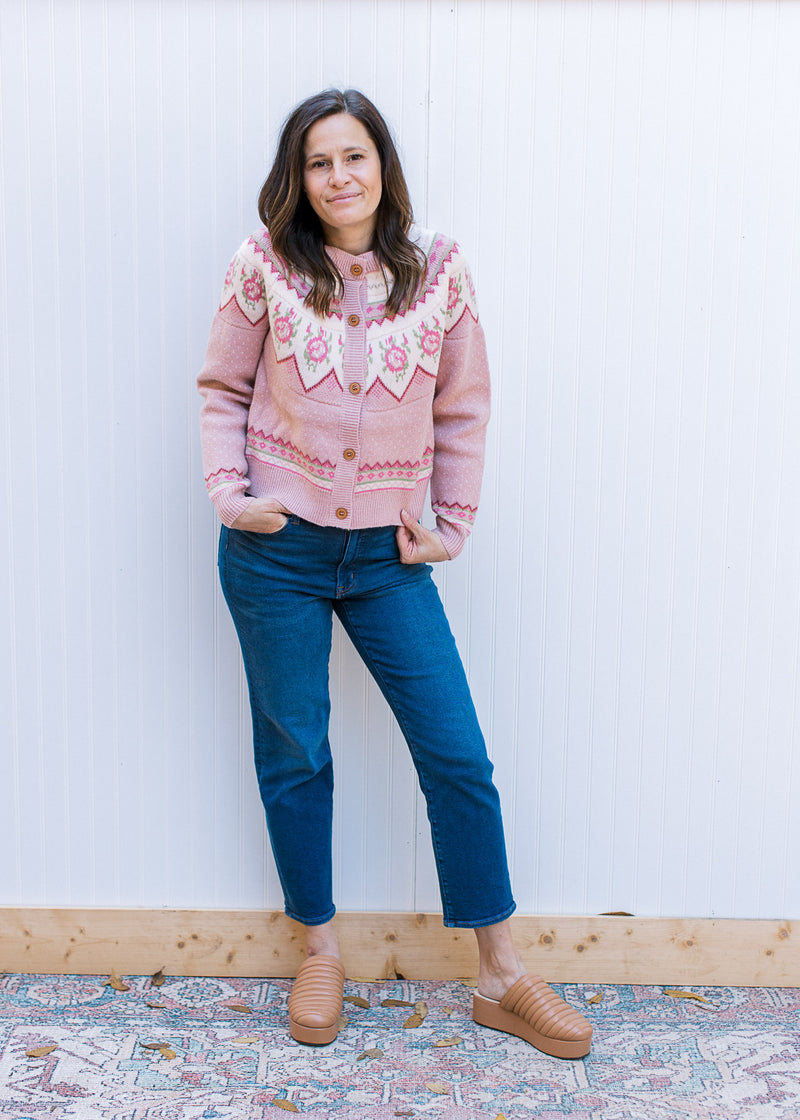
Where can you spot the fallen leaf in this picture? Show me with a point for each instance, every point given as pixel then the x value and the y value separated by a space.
pixel 421 1008
pixel 373 1052
pixel 685 995
pixel 158 978
pixel 397 1003
pixel 157 1006
pixel 40 1051
pixel 359 1001
pixel 499 1116
pixel 596 998
pixel 115 983
pixel 438 1087
pixel 287 1106
pixel 468 983
pixel 243 1041
pixel 242 1008
pixel 152 1045
pixel 405 1112
pixel 454 1041
pixel 342 1022
pixel 616 914
pixel 166 1052
pixel 448 1010
pixel 414 1021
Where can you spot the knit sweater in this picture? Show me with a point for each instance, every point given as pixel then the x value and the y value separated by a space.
pixel 346 419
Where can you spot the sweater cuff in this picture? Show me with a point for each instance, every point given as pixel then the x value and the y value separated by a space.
pixel 453 537
pixel 229 503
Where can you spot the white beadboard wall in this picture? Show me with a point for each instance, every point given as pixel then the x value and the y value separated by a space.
pixel 624 178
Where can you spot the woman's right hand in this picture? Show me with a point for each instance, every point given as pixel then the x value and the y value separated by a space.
pixel 263 515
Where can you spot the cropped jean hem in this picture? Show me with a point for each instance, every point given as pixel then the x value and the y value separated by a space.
pixel 310 921
pixel 478 923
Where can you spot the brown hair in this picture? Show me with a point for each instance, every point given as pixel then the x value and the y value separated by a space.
pixel 295 229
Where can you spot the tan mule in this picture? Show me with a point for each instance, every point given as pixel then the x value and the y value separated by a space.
pixel 315 1003
pixel 531 1010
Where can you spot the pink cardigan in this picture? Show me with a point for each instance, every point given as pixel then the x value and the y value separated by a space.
pixel 346 419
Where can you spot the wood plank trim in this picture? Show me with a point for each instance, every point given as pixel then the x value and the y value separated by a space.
pixel 596 950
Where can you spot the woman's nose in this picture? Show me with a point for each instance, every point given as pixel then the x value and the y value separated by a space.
pixel 338 172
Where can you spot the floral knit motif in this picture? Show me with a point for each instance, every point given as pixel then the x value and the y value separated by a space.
pixel 336 417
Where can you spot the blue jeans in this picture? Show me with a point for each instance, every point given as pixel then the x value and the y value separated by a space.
pixel 282 589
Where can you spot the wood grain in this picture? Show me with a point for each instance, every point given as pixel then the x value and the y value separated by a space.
pixel 601 949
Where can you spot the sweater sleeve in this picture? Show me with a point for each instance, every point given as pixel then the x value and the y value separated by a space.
pixel 226 382
pixel 461 409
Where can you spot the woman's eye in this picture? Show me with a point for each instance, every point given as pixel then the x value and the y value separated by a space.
pixel 356 155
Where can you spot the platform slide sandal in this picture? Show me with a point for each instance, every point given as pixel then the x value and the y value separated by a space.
pixel 531 1010
pixel 315 1002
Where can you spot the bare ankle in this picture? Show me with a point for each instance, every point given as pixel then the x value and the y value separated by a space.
pixel 321 941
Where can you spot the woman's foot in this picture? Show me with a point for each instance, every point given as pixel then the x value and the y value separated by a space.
pixel 531 1010
pixel 315 1003
pixel 510 1000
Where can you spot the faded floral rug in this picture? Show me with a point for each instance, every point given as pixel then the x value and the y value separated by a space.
pixel 78 1048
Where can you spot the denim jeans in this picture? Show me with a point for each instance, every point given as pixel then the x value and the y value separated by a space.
pixel 282 589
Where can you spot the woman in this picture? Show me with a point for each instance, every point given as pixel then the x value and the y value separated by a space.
pixel 345 350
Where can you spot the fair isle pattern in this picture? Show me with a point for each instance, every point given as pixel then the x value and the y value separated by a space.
pixel 244 284
pixel 316 349
pixel 395 476
pixel 450 511
pixel 258 285
pixel 274 451
pixel 222 479
pixel 736 1057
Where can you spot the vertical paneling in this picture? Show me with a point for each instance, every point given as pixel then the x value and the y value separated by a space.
pixel 624 180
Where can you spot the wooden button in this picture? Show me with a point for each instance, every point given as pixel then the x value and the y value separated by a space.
pixel 354 320
pixel 355 387
pixel 349 453
pixel 341 513
pixel 356 269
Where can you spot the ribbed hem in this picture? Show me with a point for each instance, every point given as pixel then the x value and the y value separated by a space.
pixel 230 503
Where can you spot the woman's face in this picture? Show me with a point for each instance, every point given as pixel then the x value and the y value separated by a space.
pixel 342 180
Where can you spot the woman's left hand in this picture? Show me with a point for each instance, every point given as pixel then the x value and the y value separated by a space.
pixel 418 545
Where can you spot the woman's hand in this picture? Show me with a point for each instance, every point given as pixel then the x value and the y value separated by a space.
pixel 263 515
pixel 418 545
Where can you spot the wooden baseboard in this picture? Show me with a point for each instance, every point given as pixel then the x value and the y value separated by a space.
pixel 596 950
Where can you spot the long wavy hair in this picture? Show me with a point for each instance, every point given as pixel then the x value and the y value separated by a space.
pixel 294 228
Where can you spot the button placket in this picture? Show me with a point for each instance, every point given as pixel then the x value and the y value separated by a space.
pixel 354 363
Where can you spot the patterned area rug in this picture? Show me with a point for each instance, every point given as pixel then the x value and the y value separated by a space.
pixel 182 1051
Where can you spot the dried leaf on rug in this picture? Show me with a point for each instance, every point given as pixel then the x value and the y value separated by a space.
pixel 359 1001
pixel 40 1051
pixel 685 995
pixel 454 1041
pixel 115 983
pixel 373 1052
pixel 438 1087
pixel 287 1106
pixel 158 978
